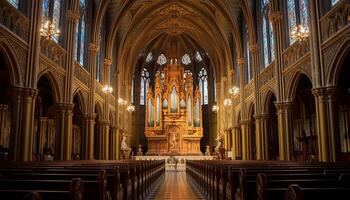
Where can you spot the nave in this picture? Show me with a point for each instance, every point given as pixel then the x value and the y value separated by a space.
pixel 175 185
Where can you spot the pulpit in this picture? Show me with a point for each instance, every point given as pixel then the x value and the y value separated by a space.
pixel 173 113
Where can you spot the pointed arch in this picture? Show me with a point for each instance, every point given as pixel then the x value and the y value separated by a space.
pixel 292 87
pixel 337 61
pixel 81 99
pixel 16 78
pixel 98 110
pixel 269 95
pixel 57 93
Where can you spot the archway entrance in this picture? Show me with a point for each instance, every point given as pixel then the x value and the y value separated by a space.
pixel 304 136
pixel 343 106
pixel 272 133
pixel 5 111
pixel 44 145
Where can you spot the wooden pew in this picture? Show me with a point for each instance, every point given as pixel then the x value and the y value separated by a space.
pixel 295 192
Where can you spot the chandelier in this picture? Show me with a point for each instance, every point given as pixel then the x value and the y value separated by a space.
pixel 215 108
pixel 300 33
pixel 227 102
pixel 122 102
pixel 130 108
pixel 234 90
pixel 49 30
pixel 107 89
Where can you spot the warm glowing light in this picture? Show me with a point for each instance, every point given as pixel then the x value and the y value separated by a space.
pixel 107 89
pixel 300 33
pixel 234 90
pixel 130 108
pixel 122 102
pixel 49 30
pixel 227 102
pixel 215 108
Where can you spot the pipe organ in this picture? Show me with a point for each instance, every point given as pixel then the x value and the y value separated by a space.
pixel 173 113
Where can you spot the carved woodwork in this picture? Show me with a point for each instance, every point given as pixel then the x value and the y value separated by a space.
pixel 173 113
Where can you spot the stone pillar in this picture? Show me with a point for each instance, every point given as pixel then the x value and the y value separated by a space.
pixel 246 140
pixel 88 137
pixel 113 143
pixel 264 136
pixel 259 138
pixel 118 140
pixel 64 127
pixel 238 141
pixel 326 123
pixel 43 122
pixel 104 142
pixel 284 129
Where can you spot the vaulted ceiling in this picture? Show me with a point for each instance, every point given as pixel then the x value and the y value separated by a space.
pixel 175 27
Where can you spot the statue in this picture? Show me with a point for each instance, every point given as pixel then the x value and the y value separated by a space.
pixel 124 147
pixel 139 151
pixel 173 141
pixel 207 150
pixel 219 149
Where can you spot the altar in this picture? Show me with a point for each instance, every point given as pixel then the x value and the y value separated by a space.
pixel 174 163
pixel 173 113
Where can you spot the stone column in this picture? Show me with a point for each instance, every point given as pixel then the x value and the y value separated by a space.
pixel 89 136
pixel 258 138
pixel 64 127
pixel 326 127
pixel 284 129
pixel 113 143
pixel 104 142
pixel 264 136
pixel 238 141
pixel 43 122
pixel 246 141
pixel 118 140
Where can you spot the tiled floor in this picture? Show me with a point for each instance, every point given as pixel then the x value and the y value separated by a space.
pixel 175 185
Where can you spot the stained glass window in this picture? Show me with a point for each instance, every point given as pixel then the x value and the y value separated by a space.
pixel 14 3
pixel 268 48
pixel 99 60
pixel 198 56
pixel 52 11
pixel 81 34
pixel 334 2
pixel 297 14
pixel 203 85
pixel 292 19
pixel 132 91
pixel 149 57
pixel 145 79
pixel 161 59
pixel 214 88
pixel 186 59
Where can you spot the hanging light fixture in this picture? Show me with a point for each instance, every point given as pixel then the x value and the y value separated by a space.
pixel 300 33
pixel 49 30
pixel 234 90
pixel 130 108
pixel 107 89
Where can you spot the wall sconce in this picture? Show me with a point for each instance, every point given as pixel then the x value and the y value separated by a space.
pixel 107 89
pixel 215 108
pixel 130 108
pixel 234 90
pixel 122 102
pixel 227 102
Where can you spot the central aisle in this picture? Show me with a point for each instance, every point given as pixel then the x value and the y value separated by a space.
pixel 175 186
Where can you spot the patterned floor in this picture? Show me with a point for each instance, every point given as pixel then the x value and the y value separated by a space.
pixel 175 185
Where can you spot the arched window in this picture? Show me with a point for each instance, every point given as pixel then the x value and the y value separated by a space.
pixel 214 88
pixel 162 59
pixel 334 2
pixel 198 56
pixel 203 85
pixel 15 3
pixel 297 14
pixel 247 53
pixel 186 59
pixel 144 85
pixel 149 57
pixel 52 12
pixel 99 59
pixel 267 34
pixel 132 91
pixel 80 34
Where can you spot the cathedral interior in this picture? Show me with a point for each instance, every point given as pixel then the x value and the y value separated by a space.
pixel 154 96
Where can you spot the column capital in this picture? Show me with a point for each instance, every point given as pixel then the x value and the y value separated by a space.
pixel 64 106
pixel 240 62
pixel 246 122
pixel 73 15
pixel 103 122
pixel 93 48
pixel 283 105
pixel 107 62
pixel 261 116
pixel 254 48
pixel 276 16
pixel 324 92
